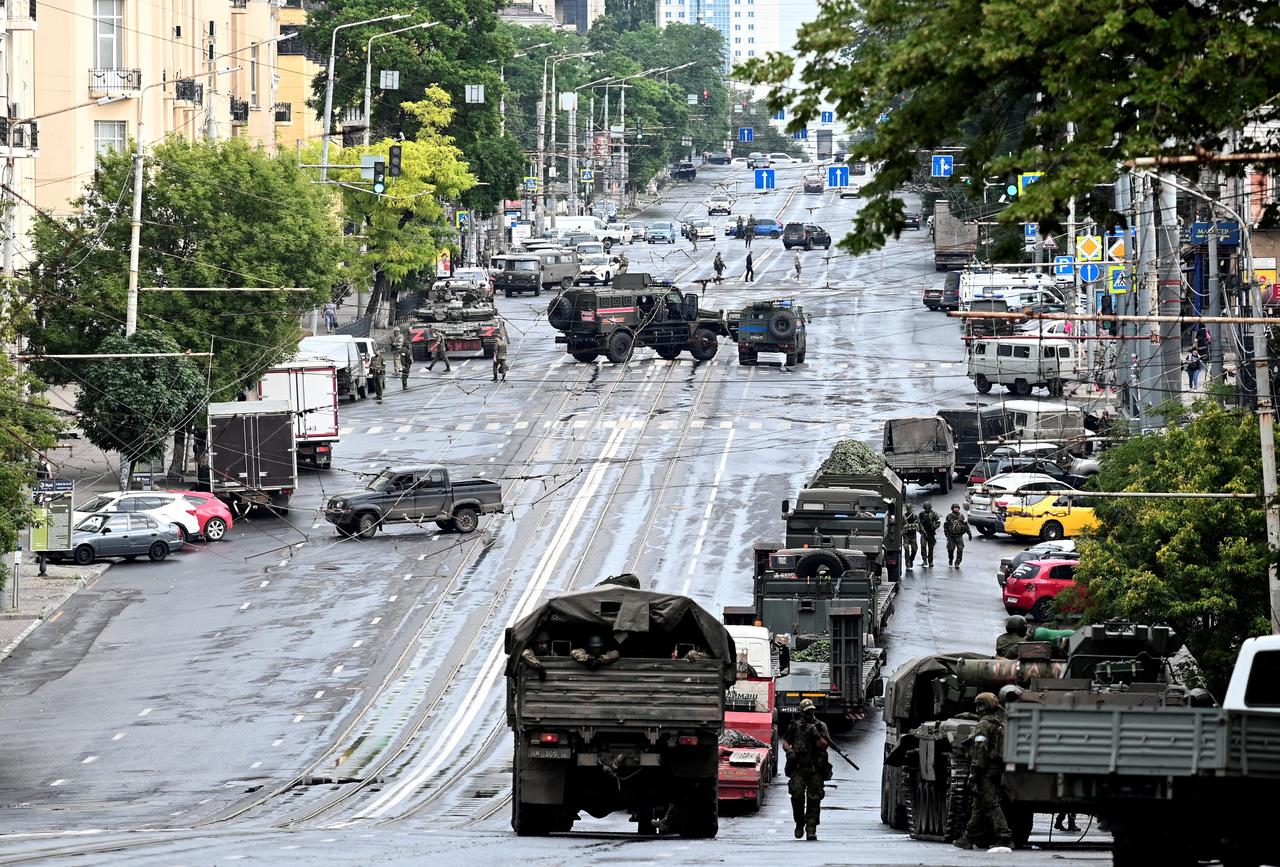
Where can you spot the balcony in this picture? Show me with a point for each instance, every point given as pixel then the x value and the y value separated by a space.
pixel 188 91
pixel 111 82
pixel 284 112
pixel 241 5
pixel 239 110
pixel 21 15
pixel 18 138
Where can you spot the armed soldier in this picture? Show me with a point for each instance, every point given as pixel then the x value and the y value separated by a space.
pixel 808 768
pixel 986 763
pixel 910 527
pixel 438 351
pixel 378 369
pixel 955 529
pixel 541 647
pixel 500 357
pixel 623 264
pixel 397 344
pixel 595 655
pixel 929 523
pixel 1015 632
pixel 405 363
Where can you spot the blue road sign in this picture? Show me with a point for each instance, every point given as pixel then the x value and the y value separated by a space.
pixel 884 116
pixel 838 176
pixel 764 179
pixel 801 134
pixel 943 166
pixel 746 133
pixel 1030 231
pixel 588 175
pixel 1063 266
pixel 828 117
pixel 1119 280
pixel 781 115
pixel 1090 272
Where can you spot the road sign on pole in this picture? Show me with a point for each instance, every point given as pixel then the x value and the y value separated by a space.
pixel 1119 279
pixel 1048 244
pixel 1089 247
pixel 1030 231
pixel 828 117
pixel 530 185
pixel 764 179
pixel 1063 265
pixel 746 134
pixel 781 115
pixel 1090 273
pixel 1026 179
pixel 1116 246
pixel 588 175
pixel 943 165
pixel 838 176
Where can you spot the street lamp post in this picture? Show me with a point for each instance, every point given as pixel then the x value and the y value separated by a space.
pixel 574 183
pixel 328 90
pixel 368 71
pixel 502 76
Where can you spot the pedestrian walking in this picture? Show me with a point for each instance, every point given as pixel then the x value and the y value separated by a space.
pixel 406 362
pixel 929 523
pixel 719 266
pixel 500 357
pixel 808 768
pixel 910 530
pixel 1194 365
pixel 750 273
pixel 797 265
pixel 987 822
pixel 378 370
pixel 438 351
pixel 955 528
pixel 330 317
pixel 693 236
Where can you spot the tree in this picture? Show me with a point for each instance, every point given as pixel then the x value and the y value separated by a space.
pixel 27 430
pixel 223 214
pixel 629 14
pixel 404 230
pixel 1198 565
pixel 1145 78
pixel 132 405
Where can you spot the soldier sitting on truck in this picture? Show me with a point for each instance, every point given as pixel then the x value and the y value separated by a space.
pixel 1015 632
pixel 541 647
pixel 595 654
pixel 692 653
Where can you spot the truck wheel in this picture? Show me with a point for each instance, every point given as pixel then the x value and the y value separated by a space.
pixel 792 359
pixel 704 344
pixel 670 353
pixel 698 817
pixel 157 552
pixel 447 525
pixel 466 519
pixel 585 355
pixel 1020 387
pixel 800 356
pixel 529 820
pixel 366 525
pixel 1051 531
pixel 746 356
pixel 809 564
pixel 618 346
pixel 1056 387
pixel 83 555
pixel 566 283
pixel 982 384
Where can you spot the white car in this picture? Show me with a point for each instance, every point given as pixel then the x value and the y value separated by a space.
pixel 782 159
pixel 596 268
pixel 479 276
pixel 988 502
pixel 167 509
pixel 731 224
pixel 703 228
pixel 718 204
pixel 639 230
pixel 590 248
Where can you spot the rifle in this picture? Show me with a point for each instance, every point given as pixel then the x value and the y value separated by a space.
pixel 811 730
pixel 843 756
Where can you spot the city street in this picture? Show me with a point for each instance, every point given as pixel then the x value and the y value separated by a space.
pixel 289 696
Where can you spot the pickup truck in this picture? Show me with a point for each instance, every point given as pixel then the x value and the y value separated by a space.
pixel 414 495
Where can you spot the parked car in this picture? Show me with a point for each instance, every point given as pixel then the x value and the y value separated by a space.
pixel 213 515
pixel 731 224
pixel 719 158
pixel 779 158
pixel 703 229
pixel 1034 464
pixel 639 230
pixel 1060 549
pixel 1000 458
pixel 986 503
pixel 768 228
pixel 1049 517
pixel 663 231
pixel 414 495
pixel 597 268
pixel 572 238
pixel 814 183
pixel 168 509
pixel 718 203
pixel 605 209
pixel 589 248
pixel 685 171
pixel 757 160
pixel 120 534
pixel 850 192
pixel 479 276
pixel 805 235
pixel 1031 588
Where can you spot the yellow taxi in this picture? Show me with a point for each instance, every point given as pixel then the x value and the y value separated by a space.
pixel 1056 516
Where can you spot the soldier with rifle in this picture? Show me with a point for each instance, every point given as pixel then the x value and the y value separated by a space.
pixel 986 816
pixel 929 523
pixel 910 527
pixel 808 768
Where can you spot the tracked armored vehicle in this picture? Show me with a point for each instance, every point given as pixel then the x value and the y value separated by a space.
pixel 460 314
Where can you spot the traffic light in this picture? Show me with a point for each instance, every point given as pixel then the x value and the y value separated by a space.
pixel 639 131
pixel 393 161
pixel 379 177
pixel 706 94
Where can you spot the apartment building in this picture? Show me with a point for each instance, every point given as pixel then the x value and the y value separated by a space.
pixel 298 66
pixel 18 134
pixel 750 27
pixel 104 66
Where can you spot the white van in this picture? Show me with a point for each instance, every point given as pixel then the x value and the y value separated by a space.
pixel 612 233
pixel 1017 289
pixel 1022 363
pixel 342 350
pixel 1048 421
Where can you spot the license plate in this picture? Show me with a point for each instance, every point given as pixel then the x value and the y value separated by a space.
pixel 1011 599
pixel 548 752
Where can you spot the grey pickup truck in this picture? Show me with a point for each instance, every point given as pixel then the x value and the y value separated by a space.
pixel 414 495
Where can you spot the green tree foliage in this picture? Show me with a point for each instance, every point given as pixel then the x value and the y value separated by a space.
pixel 629 14
pixel 453 54
pixel 1198 565
pixel 766 138
pixel 132 405
pixel 27 429
pixel 222 214
pixel 404 230
pixel 1005 78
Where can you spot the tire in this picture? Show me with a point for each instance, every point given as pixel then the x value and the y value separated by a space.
pixel 826 246
pixel 509 294
pixel 366 525
pixel 530 820
pixel 774 236
pixel 586 356
pixel 1056 387
pixel 984 530
pixel 980 382
pixel 182 534
pixel 704 345
pixel 808 565
pixel 1021 387
pixel 792 359
pixel 808 247
pixel 670 353
pixel 215 530
pixel 1042 610
pixel 746 357
pixel 783 325
pixel 448 525
pixel 83 555
pixel 560 313
pixel 699 817
pixel 566 283
pixel 1051 531
pixel 618 346
pixel 466 519
pixel 157 552
pixel 607 244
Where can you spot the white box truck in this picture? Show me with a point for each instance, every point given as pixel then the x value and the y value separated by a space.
pixel 310 385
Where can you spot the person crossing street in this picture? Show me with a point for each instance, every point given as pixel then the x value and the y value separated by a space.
pixel 718 265
pixel 955 528
pixel 797 266
pixel 750 231
pixel 750 273
pixel 808 768
pixel 500 357
pixel 929 523
pixel 438 352
pixel 405 360
pixel 397 344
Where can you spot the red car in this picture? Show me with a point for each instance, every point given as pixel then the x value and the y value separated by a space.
pixel 1032 586
pixel 213 514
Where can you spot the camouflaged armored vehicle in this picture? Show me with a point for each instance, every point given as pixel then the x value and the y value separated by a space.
pixel 636 310
pixel 458 312
pixel 770 326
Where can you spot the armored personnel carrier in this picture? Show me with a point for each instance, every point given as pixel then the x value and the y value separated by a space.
pixel 770 326
pixel 460 314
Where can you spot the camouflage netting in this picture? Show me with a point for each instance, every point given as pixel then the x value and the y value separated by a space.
pixel 735 738
pixel 850 457
pixel 819 651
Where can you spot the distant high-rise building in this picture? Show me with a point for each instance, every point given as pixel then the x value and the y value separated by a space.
pixel 750 28
pixel 577 15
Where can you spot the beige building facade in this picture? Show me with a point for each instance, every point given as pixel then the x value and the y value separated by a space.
pixel 18 138
pixel 298 67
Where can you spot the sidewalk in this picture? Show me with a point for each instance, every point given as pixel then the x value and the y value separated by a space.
pixel 39 598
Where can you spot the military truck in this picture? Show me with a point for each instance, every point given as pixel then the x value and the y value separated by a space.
pixel 635 311
pixel 639 735
pixel 770 326
pixel 955 242
pixel 413 495
pixel 921 450
pixel 460 314
pixel 857 511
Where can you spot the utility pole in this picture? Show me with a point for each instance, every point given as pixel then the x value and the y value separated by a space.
pixel 540 197
pixel 1215 306
pixel 1147 297
pixel 1123 192
pixel 555 146
pixel 1170 289
pixel 573 155
pixel 622 165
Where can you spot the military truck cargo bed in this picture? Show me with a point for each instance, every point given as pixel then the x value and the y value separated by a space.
pixel 812 680
pixel 629 694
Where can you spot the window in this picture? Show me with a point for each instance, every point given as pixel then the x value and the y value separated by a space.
pixel 751 40
pixel 253 76
pixel 118 523
pixel 108 135
pixel 108 34
pixel 1004 351
pixel 1064 351
pixel 143 522
pixel 1022 352
pixel 1048 352
pixel 1263 686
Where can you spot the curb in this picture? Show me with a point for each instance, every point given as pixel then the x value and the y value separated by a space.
pixel 13 645
pixel 81 583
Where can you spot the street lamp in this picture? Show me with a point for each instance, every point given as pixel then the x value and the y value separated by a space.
pixel 368 69
pixel 328 90
pixel 574 183
pixel 502 76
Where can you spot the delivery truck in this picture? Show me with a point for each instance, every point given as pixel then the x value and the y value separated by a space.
pixel 250 457
pixel 310 385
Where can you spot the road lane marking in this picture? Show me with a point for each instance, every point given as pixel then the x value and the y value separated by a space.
pixel 57 782
pixel 56 616
pixel 376 429
pixel 264 584
pixel 277 742
pixel 145 711
pixel 375 621
pixel 392 598
pixel 359 642
pixel 246 605
pixel 117 736
pixel 706 517
pixel 319 693
pixel 297 717
pixel 255 765
pixel 89 760
pixel 337 669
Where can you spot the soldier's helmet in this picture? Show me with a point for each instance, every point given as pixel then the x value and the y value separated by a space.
pixel 985 701
pixel 928 505
pixel 595 643
pixel 806 706
pixel 543 637
pixel 1017 624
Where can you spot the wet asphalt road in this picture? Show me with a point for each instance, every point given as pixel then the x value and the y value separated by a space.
pixel 188 696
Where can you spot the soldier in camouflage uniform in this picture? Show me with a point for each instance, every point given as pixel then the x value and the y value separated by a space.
pixel 986 763
pixel 438 351
pixel 378 369
pixel 406 362
pixel 910 527
pixel 1015 632
pixel 595 655
pixel 541 647
pixel 929 523
pixel 808 768
pixel 500 357
pixel 955 528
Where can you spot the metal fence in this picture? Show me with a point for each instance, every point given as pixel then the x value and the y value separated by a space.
pixel 357 327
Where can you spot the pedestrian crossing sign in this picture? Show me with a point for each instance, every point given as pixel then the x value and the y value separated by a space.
pixel 1089 248
pixel 530 185
pixel 1118 279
